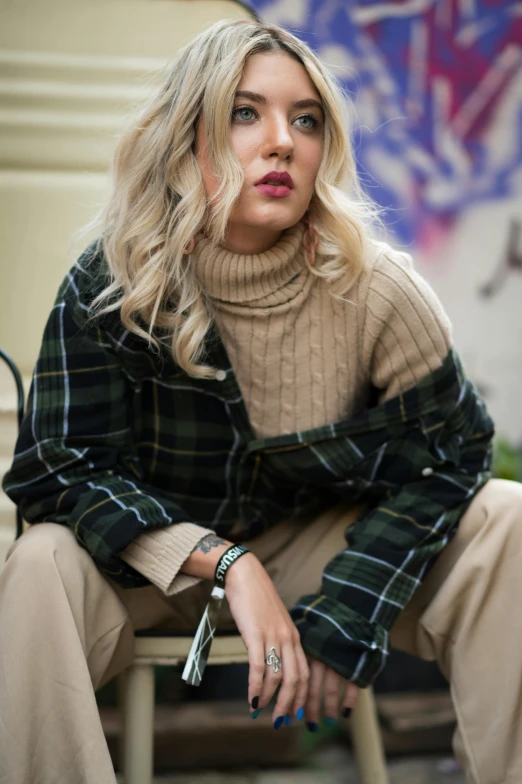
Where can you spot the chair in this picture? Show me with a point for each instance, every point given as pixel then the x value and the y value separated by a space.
pixel 163 648
pixel 154 647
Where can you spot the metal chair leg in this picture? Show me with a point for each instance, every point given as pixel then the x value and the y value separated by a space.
pixel 138 724
pixel 367 741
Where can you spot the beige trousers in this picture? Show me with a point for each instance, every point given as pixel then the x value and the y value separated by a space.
pixel 65 630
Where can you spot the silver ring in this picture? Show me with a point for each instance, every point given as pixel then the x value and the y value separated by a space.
pixel 274 660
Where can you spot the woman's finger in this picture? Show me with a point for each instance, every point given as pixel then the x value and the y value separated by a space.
pixel 332 694
pixel 271 679
pixel 350 699
pixel 286 696
pixel 256 672
pixel 315 687
pixel 304 678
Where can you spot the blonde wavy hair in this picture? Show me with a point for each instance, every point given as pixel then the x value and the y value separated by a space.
pixel 158 203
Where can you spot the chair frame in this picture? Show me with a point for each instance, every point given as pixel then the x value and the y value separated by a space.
pixel 167 648
pixel 19 416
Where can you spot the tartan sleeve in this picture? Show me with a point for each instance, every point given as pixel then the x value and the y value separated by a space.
pixel 390 548
pixel 74 462
pixel 441 465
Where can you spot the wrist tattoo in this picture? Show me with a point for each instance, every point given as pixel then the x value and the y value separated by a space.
pixel 208 542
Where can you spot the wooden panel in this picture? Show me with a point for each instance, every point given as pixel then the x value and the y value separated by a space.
pixel 125 28
pixel 71 71
pixel 223 648
pixel 64 112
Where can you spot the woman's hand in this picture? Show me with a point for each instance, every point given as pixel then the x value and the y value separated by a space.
pixel 327 685
pixel 264 623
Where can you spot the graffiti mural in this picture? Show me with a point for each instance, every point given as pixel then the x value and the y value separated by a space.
pixel 434 84
pixel 437 91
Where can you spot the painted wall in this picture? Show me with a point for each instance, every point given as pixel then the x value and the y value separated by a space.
pixel 437 87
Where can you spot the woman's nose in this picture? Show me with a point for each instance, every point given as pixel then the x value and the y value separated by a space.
pixel 278 137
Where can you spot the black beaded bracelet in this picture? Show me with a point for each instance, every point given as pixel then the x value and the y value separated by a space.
pixel 229 557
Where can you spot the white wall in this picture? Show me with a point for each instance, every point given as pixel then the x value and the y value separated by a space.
pixel 487 331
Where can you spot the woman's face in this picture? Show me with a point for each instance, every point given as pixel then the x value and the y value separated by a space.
pixel 270 134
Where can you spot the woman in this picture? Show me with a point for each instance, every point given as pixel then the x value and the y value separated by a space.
pixel 238 361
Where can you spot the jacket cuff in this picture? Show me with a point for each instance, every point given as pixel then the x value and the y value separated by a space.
pixel 159 554
pixel 342 639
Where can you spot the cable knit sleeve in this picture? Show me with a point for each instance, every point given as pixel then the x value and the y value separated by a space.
pixel 407 334
pixel 159 555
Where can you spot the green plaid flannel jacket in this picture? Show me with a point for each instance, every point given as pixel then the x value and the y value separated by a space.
pixel 117 439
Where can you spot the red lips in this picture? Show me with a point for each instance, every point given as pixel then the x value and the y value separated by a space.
pixel 282 178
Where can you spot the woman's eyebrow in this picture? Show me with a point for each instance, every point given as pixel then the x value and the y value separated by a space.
pixel 305 103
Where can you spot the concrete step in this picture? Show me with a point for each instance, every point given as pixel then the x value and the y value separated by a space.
pixel 5 464
pixel 8 433
pixel 7 526
pixel 9 413
pixel 8 396
pixel 7 511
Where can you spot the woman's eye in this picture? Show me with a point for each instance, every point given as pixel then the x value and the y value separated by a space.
pixel 241 109
pixel 312 121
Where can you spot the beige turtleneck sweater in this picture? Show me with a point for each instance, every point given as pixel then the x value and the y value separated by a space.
pixel 303 359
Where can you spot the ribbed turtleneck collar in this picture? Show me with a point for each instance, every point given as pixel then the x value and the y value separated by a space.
pixel 256 280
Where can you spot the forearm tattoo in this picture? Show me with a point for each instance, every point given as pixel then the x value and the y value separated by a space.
pixel 208 542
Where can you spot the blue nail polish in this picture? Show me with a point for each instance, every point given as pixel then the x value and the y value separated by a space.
pixel 256 713
pixel 300 713
pixel 330 722
pixel 278 722
pixel 288 720
pixel 311 726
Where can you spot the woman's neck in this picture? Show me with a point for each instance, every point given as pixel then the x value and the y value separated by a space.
pixel 250 240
